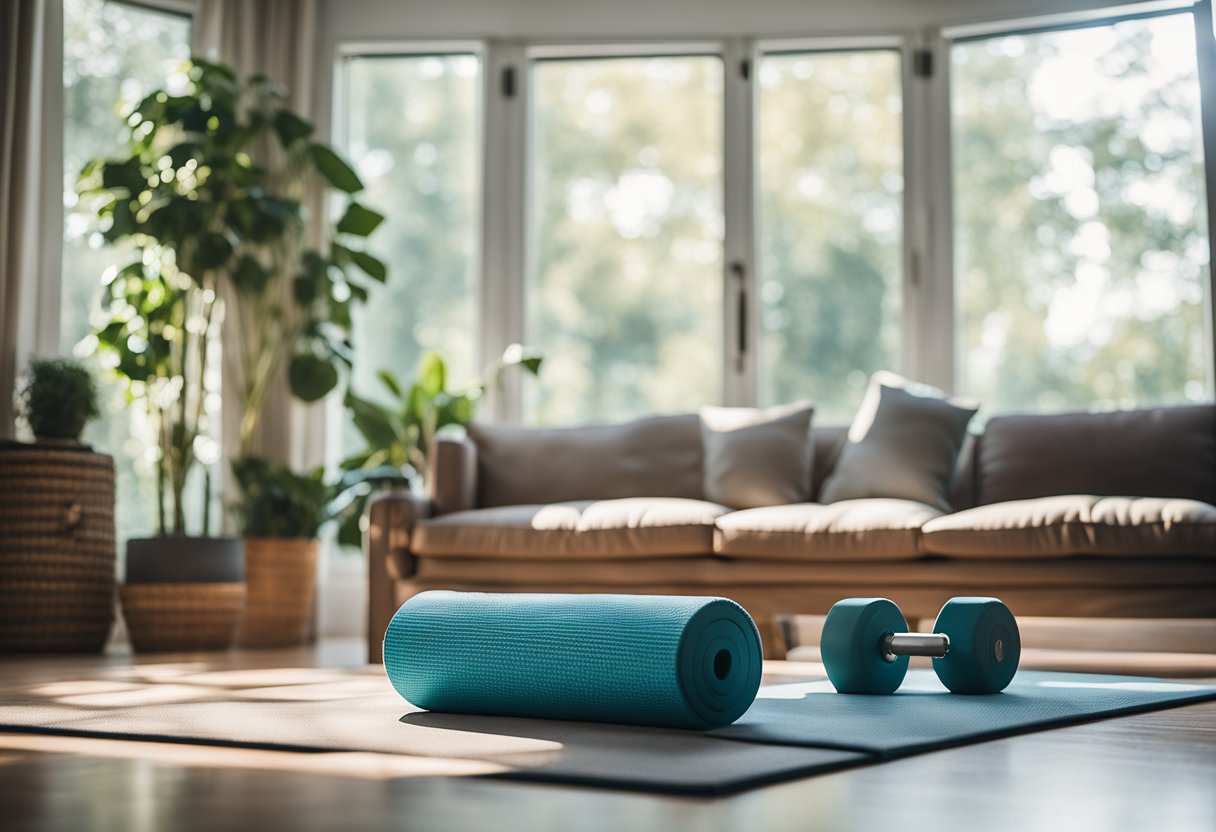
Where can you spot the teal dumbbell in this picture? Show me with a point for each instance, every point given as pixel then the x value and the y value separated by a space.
pixel 975 645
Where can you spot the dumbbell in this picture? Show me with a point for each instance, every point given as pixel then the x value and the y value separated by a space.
pixel 974 645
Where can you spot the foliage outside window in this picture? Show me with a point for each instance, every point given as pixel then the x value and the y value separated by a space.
pixel 830 166
pixel 625 294
pixel 1081 219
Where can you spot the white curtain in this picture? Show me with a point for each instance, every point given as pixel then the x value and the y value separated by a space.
pixel 275 38
pixel 30 154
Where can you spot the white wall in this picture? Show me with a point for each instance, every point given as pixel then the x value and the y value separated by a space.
pixel 564 19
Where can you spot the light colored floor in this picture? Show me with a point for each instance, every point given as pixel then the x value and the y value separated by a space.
pixel 1152 771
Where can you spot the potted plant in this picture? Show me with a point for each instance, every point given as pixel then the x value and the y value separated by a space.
pixel 281 512
pixel 56 519
pixel 399 435
pixel 213 194
pixel 290 305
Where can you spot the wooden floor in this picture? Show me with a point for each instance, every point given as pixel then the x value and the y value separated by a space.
pixel 1148 772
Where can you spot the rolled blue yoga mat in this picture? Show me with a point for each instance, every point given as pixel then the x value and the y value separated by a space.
pixel 669 661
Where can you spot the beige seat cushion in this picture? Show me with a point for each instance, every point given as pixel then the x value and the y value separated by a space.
pixel 1077 524
pixel 634 527
pixel 871 529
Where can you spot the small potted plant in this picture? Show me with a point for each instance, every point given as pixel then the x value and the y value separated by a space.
pixel 281 512
pixel 58 399
pixel 57 549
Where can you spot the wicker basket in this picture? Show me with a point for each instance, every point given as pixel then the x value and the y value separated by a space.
pixel 182 617
pixel 57 548
pixel 281 574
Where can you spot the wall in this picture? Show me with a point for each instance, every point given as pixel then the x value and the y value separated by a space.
pixel 564 19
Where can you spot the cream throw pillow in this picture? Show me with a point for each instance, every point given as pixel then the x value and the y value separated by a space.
pixel 903 444
pixel 757 457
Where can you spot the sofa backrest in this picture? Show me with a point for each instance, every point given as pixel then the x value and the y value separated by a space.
pixel 1162 452
pixel 658 456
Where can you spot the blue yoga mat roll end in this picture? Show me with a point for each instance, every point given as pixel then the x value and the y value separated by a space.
pixel 670 661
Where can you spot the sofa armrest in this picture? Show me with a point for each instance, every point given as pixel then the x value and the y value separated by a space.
pixel 386 542
pixel 452 485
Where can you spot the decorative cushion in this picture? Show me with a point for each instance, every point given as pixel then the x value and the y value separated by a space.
pixel 1077 524
pixel 757 457
pixel 848 530
pixel 903 444
pixel 631 528
pixel 654 457
pixel 1161 452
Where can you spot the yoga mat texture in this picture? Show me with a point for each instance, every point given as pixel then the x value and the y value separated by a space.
pixel 922 715
pixel 667 661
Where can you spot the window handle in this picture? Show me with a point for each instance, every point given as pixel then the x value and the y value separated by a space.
pixel 739 272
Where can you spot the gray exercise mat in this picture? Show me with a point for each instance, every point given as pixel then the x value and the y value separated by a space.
pixel 320 710
pixel 922 715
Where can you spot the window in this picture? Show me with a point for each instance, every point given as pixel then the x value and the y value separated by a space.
pixel 1080 218
pixel 113 55
pixel 412 131
pixel 624 288
pixel 830 186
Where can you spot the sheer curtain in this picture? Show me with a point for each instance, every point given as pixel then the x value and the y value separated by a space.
pixel 275 38
pixel 30 137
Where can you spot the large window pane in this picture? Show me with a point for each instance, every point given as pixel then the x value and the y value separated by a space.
pixel 412 132
pixel 113 55
pixel 625 289
pixel 1082 252
pixel 830 164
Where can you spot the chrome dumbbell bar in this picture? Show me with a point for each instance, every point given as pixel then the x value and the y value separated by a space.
pixel 933 645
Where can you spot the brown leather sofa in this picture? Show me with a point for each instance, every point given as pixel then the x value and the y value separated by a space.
pixel 1108 515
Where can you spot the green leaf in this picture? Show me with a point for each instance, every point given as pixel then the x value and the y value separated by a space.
pixel 124 176
pixel 359 221
pixel 122 220
pixel 372 421
pixel 291 128
pixel 350 531
pixel 333 170
pixel 432 374
pixel 249 276
pixel 390 381
pixel 304 288
pixel 372 267
pixel 311 377
pixel 213 250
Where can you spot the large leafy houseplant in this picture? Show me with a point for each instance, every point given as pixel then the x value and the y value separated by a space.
pixel 399 434
pixel 213 192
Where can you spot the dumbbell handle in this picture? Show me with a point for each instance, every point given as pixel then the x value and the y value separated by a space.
pixel 934 645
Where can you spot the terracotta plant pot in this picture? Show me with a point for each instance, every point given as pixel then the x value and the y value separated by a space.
pixel 57 547
pixel 281 574
pixel 183 593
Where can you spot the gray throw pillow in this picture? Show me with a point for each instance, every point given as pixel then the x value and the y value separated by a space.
pixel 903 444
pixel 757 457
